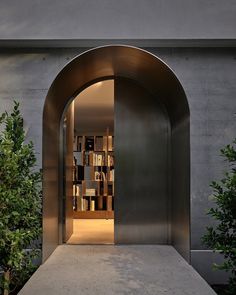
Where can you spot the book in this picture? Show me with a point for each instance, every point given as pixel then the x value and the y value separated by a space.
pixel 77 190
pixel 84 204
pixel 79 201
pixel 109 203
pixel 110 189
pixel 86 159
pixel 100 202
pixel 92 205
pixel 110 160
pixel 94 159
pixel 99 160
pixel 111 175
pixel 91 158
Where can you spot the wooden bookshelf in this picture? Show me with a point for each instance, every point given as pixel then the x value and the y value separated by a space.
pixel 93 176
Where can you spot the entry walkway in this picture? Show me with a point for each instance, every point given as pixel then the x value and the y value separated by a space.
pixel 116 270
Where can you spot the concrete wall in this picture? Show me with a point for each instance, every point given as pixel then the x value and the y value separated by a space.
pixel 114 20
pixel 26 76
pixel 208 77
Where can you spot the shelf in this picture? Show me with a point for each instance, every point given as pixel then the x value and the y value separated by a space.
pixel 89 152
pixel 94 151
pixel 96 196
pixel 99 214
pixel 98 151
pixel 96 166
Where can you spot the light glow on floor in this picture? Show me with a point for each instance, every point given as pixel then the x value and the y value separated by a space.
pixel 92 231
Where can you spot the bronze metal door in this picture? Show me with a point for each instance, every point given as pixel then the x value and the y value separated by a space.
pixel 142 157
pixel 68 130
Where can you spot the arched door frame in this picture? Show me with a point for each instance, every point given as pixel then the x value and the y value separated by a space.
pixel 108 62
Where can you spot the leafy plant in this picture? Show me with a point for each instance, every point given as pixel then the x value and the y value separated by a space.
pixel 222 236
pixel 20 202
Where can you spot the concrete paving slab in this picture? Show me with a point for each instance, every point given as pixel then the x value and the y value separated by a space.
pixel 116 270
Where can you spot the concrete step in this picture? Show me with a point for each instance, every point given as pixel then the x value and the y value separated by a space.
pixel 116 270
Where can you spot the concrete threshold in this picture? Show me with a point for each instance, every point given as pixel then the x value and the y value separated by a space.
pixel 116 270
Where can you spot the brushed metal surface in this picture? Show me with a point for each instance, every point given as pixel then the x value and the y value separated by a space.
pixel 68 173
pixel 142 137
pixel 153 74
pixel 180 187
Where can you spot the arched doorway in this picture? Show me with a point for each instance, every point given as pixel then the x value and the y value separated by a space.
pixel 128 66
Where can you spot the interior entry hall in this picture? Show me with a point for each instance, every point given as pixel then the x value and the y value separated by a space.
pixel 89 211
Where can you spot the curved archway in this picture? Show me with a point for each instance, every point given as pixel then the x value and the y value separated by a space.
pixel 152 74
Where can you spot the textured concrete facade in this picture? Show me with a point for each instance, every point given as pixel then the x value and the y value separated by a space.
pixel 112 19
pixel 208 77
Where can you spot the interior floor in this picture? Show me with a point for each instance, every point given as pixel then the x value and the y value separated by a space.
pixel 92 231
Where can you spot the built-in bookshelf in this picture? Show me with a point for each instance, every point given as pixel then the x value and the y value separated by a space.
pixel 93 176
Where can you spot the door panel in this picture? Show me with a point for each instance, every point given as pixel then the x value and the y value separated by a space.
pixel 68 172
pixel 141 175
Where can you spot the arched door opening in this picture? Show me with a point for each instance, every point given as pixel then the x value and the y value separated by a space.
pixel 88 149
pixel 151 147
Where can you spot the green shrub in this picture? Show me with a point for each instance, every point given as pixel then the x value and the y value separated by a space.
pixel 20 202
pixel 222 236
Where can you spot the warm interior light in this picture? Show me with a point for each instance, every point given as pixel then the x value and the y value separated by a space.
pixel 98 84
